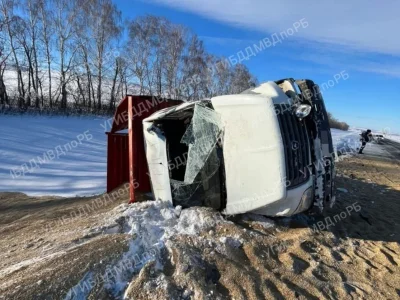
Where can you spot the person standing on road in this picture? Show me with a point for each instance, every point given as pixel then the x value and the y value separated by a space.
pixel 365 138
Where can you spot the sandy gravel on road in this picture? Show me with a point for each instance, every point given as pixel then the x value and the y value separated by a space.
pixel 356 258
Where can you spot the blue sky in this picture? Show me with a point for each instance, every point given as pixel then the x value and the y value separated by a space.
pixel 358 37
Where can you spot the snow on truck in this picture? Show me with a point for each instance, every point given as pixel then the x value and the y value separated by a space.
pixel 267 151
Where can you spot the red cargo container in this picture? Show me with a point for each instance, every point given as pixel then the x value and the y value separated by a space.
pixel 126 158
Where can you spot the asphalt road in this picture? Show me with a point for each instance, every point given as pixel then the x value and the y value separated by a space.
pixel 386 150
pixel 393 148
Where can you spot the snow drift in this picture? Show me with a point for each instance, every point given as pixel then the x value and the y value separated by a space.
pixel 152 225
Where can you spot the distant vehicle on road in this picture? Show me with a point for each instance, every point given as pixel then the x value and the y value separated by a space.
pixel 379 138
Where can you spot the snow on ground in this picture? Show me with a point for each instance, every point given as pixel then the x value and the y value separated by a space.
pixel 393 137
pixel 346 141
pixel 80 170
pixel 152 224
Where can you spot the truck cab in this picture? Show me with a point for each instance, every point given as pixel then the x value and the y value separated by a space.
pixel 267 151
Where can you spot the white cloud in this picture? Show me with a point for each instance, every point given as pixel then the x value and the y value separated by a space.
pixel 364 25
pixel 225 41
pixel 330 58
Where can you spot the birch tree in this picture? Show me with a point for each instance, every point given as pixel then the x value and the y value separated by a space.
pixel 65 26
pixel 241 79
pixel 104 26
pixel 31 8
pixel 7 9
pixel 72 48
pixel 194 70
pixel 3 59
pixel 138 51
pixel 46 36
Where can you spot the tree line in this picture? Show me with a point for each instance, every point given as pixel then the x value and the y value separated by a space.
pixel 61 54
pixel 335 123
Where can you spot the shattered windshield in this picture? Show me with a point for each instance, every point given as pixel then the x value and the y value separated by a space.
pixel 204 159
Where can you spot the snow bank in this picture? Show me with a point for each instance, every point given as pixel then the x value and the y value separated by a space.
pixel 157 230
pixel 346 141
pixel 80 170
pixel 393 137
pixel 151 225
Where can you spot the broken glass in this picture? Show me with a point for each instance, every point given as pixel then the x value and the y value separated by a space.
pixel 201 184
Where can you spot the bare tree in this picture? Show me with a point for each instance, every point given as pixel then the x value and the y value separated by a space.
pixel 32 28
pixel 3 90
pixel 46 37
pixel 64 22
pixel 71 47
pixel 194 71
pixel 138 50
pixel 221 75
pixel 84 60
pixel 160 32
pixel 241 79
pixel 3 59
pixel 173 62
pixel 21 35
pixel 103 21
pixel 7 8
pixel 114 88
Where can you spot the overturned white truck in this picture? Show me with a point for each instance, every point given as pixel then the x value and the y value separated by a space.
pixel 267 151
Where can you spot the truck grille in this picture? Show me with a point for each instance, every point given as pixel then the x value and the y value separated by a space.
pixel 295 142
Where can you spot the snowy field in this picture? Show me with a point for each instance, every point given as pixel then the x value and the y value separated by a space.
pixel 31 161
pixel 394 137
pixel 11 82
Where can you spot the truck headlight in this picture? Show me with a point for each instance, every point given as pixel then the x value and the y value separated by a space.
pixel 306 200
pixel 302 111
